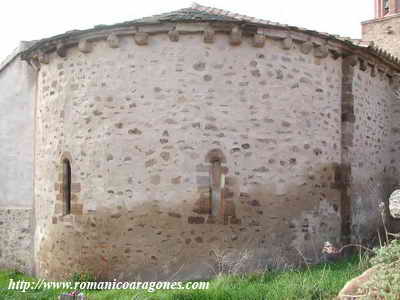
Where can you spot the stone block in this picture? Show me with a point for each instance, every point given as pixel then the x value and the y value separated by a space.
pixel 362 64
pixel 236 36
pixel 202 206
pixel 142 38
pixel 212 220
pixel 350 60
pixel 229 208
pixel 173 35
pixel 321 51
pixel 85 46
pixel 235 221
pixel 209 35
pixel 228 194
pixel 259 40
pixel 230 181
pixel 113 41
pixel 196 220
pixel 76 209
pixel 43 58
pixel 306 47
pixel 61 50
pixel 203 180
pixel 59 208
pixel 287 43
pixel 75 187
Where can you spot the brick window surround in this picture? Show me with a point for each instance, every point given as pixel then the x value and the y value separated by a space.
pixel 62 207
pixel 215 203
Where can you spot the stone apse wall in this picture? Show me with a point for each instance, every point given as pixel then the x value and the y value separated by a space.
pixel 143 119
pixel 17 90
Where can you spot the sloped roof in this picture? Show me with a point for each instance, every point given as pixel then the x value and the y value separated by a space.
pixel 193 13
pixel 24 45
pixel 198 13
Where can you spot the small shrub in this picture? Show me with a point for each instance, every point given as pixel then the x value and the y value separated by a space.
pixel 385 282
pixel 387 254
pixel 83 277
pixel 14 274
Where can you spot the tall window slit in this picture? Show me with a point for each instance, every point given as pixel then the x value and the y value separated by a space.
pixel 67 186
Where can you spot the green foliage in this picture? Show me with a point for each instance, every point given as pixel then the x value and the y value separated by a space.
pixel 316 282
pixel 83 277
pixel 385 282
pixel 387 254
pixel 14 274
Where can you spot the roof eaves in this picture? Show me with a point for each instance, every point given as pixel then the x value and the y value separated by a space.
pixel 199 13
pixel 24 45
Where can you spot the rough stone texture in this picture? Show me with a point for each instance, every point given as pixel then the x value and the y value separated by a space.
pixel 394 204
pixel 353 288
pixel 305 139
pixel 384 32
pixel 274 114
pixel 16 239
pixel 373 160
pixel 17 81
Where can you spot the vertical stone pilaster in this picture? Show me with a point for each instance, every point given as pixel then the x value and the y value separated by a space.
pixel 347 126
pixel 392 6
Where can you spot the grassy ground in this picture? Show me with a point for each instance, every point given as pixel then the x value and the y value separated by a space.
pixel 317 282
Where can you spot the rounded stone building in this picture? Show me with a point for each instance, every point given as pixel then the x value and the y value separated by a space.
pixel 167 144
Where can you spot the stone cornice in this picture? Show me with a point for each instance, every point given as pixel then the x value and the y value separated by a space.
pixel 208 21
pixel 310 42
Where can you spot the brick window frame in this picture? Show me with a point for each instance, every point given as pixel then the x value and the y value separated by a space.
pixel 207 212
pixel 61 210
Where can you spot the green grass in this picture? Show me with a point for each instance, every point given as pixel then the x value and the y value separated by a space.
pixel 318 282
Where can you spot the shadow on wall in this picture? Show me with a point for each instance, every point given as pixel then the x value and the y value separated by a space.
pixel 371 209
pixel 280 226
pixel 304 215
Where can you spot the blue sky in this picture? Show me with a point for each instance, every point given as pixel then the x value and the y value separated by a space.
pixel 30 20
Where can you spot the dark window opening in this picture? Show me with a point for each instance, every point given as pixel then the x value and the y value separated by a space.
pixel 67 186
pixel 385 7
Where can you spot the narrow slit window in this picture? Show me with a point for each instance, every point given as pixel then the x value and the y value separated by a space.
pixel 217 185
pixel 67 186
pixel 385 7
